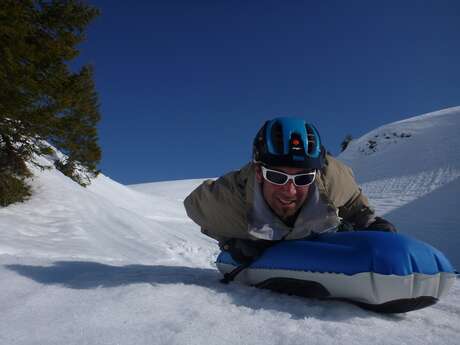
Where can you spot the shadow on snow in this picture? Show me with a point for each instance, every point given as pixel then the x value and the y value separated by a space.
pixel 90 275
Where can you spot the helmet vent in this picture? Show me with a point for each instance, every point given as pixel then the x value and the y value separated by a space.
pixel 277 137
pixel 311 137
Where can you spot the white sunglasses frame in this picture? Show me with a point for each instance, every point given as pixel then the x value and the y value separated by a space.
pixel 289 177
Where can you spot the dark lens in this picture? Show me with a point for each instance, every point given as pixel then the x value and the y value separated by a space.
pixel 303 180
pixel 276 177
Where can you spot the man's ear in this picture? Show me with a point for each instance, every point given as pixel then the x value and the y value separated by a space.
pixel 259 177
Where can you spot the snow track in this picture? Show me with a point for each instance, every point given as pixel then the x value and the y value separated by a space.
pixel 392 193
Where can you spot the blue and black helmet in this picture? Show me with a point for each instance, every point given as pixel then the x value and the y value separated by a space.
pixel 288 141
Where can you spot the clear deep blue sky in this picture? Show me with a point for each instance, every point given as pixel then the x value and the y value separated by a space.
pixel 185 85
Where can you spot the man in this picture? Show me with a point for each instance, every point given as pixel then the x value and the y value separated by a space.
pixel 291 190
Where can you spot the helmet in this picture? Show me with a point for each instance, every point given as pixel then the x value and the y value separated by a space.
pixel 288 141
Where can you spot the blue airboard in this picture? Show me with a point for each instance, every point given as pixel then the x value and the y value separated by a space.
pixel 351 253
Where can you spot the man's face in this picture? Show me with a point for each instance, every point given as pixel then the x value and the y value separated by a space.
pixel 284 200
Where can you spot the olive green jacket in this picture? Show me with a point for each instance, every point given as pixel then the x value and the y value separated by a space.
pixel 233 206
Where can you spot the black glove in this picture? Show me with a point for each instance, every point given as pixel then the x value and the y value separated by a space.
pixel 245 251
pixel 345 226
pixel 381 224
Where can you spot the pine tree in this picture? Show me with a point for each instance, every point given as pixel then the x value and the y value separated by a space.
pixel 41 99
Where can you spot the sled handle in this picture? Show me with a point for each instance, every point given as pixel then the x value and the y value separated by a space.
pixel 230 276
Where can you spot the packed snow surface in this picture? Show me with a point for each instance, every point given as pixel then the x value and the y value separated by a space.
pixel 112 264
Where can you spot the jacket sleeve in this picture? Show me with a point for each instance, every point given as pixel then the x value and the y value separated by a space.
pixel 342 189
pixel 218 207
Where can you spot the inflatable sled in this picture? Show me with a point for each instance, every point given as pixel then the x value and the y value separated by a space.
pixel 381 271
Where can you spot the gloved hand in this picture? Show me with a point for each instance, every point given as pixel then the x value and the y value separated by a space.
pixel 244 251
pixel 381 224
pixel 345 226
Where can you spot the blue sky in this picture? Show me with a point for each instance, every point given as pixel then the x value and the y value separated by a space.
pixel 185 85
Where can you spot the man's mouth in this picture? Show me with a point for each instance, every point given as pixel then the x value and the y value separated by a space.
pixel 286 202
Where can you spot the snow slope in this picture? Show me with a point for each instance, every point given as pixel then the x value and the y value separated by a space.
pixel 410 171
pixel 173 190
pixel 112 264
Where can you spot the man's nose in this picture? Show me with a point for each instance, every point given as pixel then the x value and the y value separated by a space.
pixel 290 188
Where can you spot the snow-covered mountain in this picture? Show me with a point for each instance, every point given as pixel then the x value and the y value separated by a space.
pixel 114 264
pixel 410 170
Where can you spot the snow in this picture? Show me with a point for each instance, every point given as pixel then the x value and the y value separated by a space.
pixel 411 175
pixel 114 264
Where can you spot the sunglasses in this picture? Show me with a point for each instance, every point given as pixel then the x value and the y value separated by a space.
pixel 280 178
